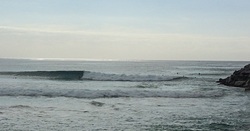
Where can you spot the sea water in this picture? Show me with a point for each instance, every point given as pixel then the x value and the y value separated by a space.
pixel 120 95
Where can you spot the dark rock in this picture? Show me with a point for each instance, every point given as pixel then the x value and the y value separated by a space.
pixel 239 83
pixel 240 78
pixel 96 103
pixel 247 84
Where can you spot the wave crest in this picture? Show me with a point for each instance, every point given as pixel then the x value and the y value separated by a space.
pixel 91 76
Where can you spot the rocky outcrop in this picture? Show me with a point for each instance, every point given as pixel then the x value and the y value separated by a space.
pixel 240 78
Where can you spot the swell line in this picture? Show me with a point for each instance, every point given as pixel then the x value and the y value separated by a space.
pixel 93 94
pixel 48 74
pixel 93 76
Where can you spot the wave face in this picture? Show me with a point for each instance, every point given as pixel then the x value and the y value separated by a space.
pixel 71 75
pixel 93 94
pixel 96 76
pixel 92 76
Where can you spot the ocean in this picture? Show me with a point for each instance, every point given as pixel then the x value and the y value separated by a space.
pixel 120 95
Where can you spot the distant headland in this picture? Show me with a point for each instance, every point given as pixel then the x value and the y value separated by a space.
pixel 240 78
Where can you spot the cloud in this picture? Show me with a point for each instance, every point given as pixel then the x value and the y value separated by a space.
pixel 128 34
pixel 109 44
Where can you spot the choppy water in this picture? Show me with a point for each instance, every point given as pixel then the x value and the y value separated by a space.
pixel 120 95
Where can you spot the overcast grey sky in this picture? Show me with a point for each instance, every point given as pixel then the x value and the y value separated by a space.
pixel 125 29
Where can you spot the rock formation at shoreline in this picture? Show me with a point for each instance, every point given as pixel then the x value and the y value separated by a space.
pixel 240 78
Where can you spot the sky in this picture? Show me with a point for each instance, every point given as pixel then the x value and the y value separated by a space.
pixel 125 29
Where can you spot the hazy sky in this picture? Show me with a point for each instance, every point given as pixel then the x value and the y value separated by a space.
pixel 126 29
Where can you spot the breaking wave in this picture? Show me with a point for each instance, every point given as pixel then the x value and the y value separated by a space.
pixel 96 76
pixel 93 94
pixel 48 74
pixel 91 76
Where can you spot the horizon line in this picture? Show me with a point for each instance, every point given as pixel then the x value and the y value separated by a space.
pixel 88 59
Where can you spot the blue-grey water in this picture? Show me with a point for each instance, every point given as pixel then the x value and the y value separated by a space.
pixel 120 95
